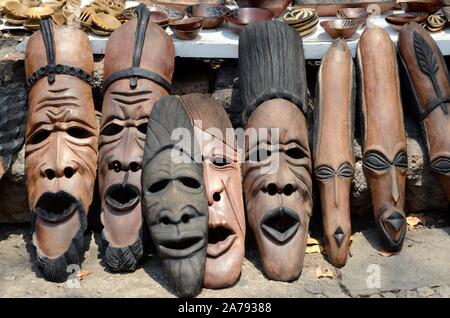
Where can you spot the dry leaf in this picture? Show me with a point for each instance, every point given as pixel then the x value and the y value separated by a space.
pixel 323 272
pixel 312 241
pixel 412 222
pixel 386 253
pixel 83 274
pixel 314 249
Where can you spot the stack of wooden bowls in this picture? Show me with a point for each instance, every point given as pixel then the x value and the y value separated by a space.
pixel 15 12
pixel 304 21
pixel 104 24
pixel 436 22
pixel 187 29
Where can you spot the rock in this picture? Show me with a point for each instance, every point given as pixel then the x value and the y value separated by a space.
pixel 425 291
pixel 224 97
pixel 443 291
pixel 389 295
pixel 375 296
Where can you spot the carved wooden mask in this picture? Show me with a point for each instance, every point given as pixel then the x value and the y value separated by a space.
pixel 61 144
pixel 277 168
pixel 333 147
pixel 384 139
pixel 174 196
pixel 222 174
pixel 135 78
pixel 429 82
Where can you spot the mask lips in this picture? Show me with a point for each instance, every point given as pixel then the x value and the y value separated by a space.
pixel 56 206
pixel 220 240
pixel 182 246
pixel 280 224
pixel 122 197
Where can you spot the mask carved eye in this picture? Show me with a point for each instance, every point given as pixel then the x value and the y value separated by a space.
pixel 376 161
pixel 441 165
pixel 220 161
pixel 111 130
pixel 295 153
pixel 158 186
pixel 79 133
pixel 260 154
pixel 40 136
pixel 345 170
pixel 401 160
pixel 324 172
pixel 189 182
pixel 142 128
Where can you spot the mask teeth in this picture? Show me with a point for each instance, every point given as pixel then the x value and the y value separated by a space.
pixel 339 236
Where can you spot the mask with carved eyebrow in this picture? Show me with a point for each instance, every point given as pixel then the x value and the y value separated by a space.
pixel 222 173
pixel 428 81
pixel 384 154
pixel 61 145
pixel 135 79
pixel 333 148
pixel 277 167
pixel 174 199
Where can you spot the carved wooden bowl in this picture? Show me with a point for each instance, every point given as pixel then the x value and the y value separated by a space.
pixel 299 16
pixel 359 14
pixel 11 19
pixel 54 4
pixel 189 24
pixel 239 18
pixel 436 22
pixel 186 35
pixel 59 18
pixel 159 17
pixel 275 6
pixel 15 9
pixel 340 28
pixel 173 13
pixel 38 13
pixel 32 24
pixel 429 6
pixel 402 18
pixel 213 14
pixel 105 22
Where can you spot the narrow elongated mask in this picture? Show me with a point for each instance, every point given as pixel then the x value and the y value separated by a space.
pixel 222 174
pixel 135 78
pixel 61 145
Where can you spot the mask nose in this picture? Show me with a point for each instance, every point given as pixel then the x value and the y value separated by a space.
pixel 169 217
pixel 278 188
pixel 395 188
pixel 61 163
pixel 129 157
pixel 214 186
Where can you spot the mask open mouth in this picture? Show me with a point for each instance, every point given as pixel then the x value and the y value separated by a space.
pixel 182 246
pixel 122 197
pixel 280 224
pixel 56 206
pixel 220 240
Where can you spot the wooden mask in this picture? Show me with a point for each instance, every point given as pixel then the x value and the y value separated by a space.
pixel 174 196
pixel 333 147
pixel 135 78
pixel 277 168
pixel 384 138
pixel 61 145
pixel 429 83
pixel 222 174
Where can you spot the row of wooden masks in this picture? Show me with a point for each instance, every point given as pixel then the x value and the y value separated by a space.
pixel 180 202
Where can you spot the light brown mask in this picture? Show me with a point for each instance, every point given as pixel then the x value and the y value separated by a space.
pixel 333 148
pixel 429 82
pixel 222 174
pixel 385 159
pixel 279 203
pixel 125 112
pixel 61 149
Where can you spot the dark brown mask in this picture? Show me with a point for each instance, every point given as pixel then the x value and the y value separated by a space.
pixel 333 148
pixel 429 84
pixel 384 139
pixel 61 144
pixel 135 79
pixel 277 168
pixel 222 173
pixel 174 198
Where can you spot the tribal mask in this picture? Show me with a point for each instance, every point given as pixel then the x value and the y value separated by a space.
pixel 429 83
pixel 134 80
pixel 384 138
pixel 222 174
pixel 174 197
pixel 61 145
pixel 277 168
pixel 333 148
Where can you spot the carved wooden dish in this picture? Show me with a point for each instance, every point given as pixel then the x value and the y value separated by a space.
pixel 189 24
pixel 16 9
pixel 275 6
pixel 429 6
pixel 31 3
pixel 436 22
pixel 213 15
pixel 54 4
pixel 105 22
pixel 159 17
pixel 59 18
pixel 240 18
pixel 299 16
pixel 186 35
pixel 182 4
pixel 11 19
pixel 173 13
pixel 98 31
pixel 38 13
pixel 32 24
pixel 402 18
pixel 340 28
pixel 359 14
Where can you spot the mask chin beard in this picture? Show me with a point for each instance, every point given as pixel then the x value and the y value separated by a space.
pixel 123 198
pixel 177 269
pixel 62 205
